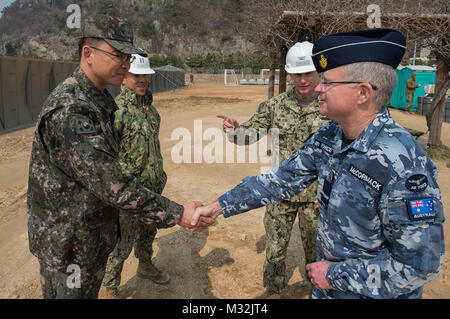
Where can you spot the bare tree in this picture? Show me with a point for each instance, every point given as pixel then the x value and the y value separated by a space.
pixel 275 23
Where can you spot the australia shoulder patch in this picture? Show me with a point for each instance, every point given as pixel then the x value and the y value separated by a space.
pixel 421 208
pixel 84 125
pixel 416 183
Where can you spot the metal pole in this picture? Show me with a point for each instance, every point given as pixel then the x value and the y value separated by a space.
pixel 282 84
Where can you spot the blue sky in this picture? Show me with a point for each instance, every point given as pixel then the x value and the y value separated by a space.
pixel 5 3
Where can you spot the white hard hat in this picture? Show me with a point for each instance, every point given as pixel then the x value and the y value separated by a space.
pixel 140 65
pixel 298 58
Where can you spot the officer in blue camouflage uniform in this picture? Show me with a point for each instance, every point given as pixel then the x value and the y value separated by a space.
pixel 76 186
pixel 380 232
pixel 137 125
pixel 295 116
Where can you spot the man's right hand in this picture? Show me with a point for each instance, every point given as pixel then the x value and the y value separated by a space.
pixel 229 124
pixel 205 216
pixel 188 213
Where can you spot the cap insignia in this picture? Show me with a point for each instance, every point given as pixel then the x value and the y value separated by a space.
pixel 323 61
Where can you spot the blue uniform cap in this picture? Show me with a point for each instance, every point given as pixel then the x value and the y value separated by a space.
pixel 385 46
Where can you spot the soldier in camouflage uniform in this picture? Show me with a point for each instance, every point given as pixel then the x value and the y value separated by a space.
pixel 295 116
pixel 380 232
pixel 137 125
pixel 411 87
pixel 76 186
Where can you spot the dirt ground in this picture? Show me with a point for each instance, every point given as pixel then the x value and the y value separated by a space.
pixel 222 262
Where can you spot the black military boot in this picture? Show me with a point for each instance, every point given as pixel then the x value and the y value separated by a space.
pixel 146 270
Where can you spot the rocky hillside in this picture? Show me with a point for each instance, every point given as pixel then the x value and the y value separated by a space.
pixel 181 28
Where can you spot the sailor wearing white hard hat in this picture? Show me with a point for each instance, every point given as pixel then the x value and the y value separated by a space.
pixel 137 124
pixel 137 78
pixel 140 65
pixel 292 115
pixel 301 69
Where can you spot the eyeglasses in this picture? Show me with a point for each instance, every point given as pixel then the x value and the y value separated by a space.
pixel 122 57
pixel 326 85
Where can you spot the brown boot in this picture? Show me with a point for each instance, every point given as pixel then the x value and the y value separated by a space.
pixel 112 293
pixel 146 270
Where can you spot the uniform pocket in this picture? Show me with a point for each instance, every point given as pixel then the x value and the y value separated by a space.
pixel 99 143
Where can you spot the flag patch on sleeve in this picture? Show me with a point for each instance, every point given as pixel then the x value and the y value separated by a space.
pixel 422 208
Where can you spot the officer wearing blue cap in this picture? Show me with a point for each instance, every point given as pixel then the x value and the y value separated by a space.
pixel 385 46
pixel 380 232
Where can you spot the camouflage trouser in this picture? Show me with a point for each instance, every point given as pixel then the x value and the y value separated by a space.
pixel 278 222
pixel 58 284
pixel 409 101
pixel 132 233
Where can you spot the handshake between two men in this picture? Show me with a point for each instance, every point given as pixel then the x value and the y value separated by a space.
pixel 197 217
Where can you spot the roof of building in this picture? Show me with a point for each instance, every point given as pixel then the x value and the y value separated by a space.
pixel 423 68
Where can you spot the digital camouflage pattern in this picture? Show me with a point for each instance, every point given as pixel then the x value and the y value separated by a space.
pixel 377 249
pixel 76 186
pixel 137 125
pixel 116 32
pixel 294 126
pixel 133 233
pixel 295 123
pixel 278 221
pixel 138 129
pixel 54 282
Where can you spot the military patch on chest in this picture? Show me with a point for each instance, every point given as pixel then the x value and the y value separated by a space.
pixel 366 178
pixel 84 125
pixel 421 208
pixel 417 183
